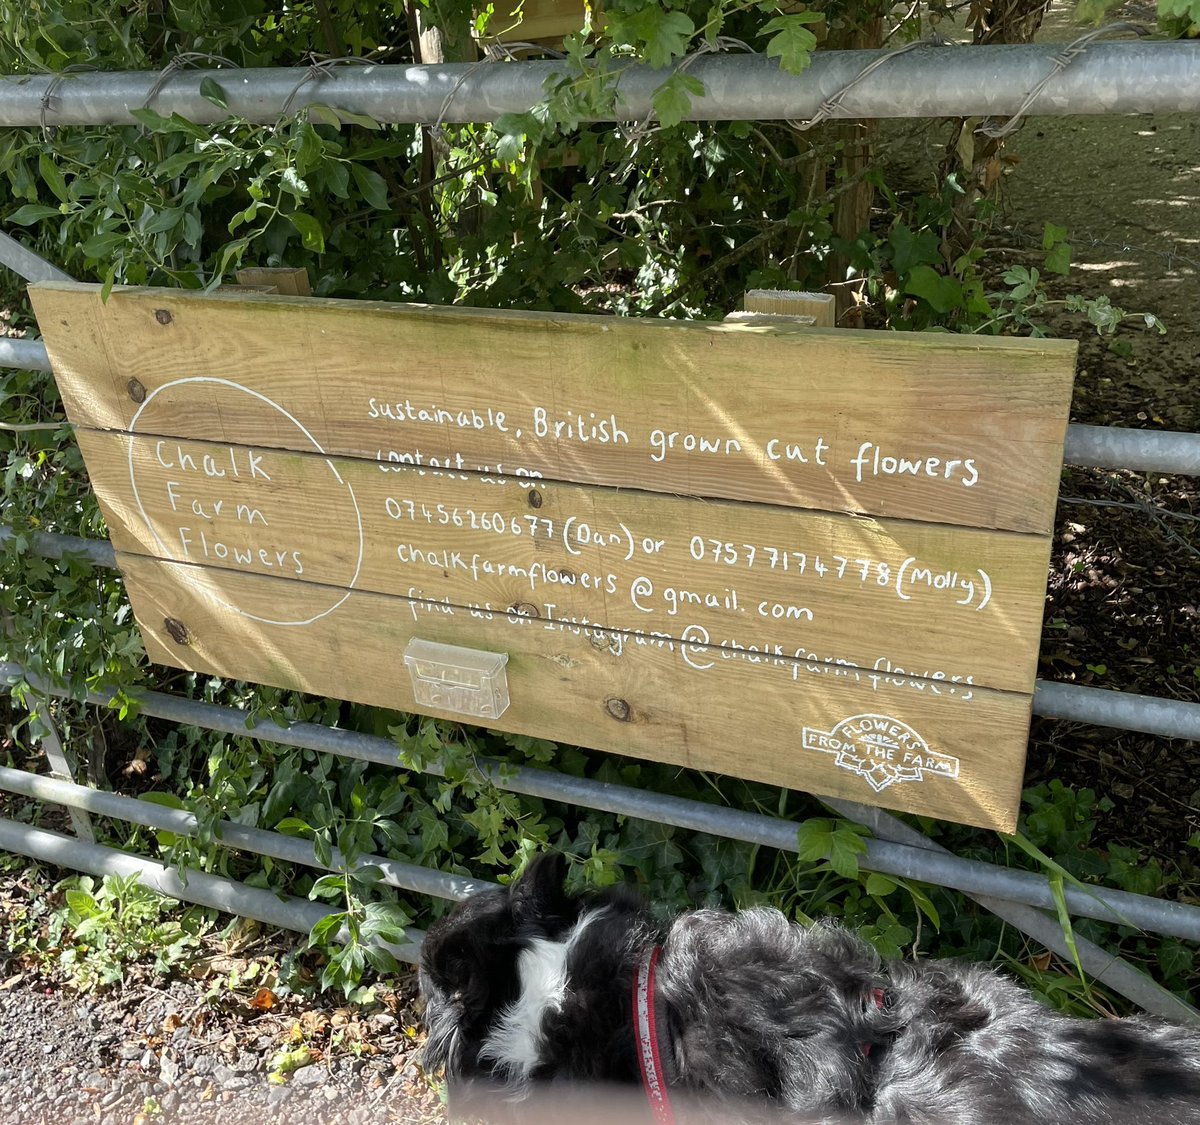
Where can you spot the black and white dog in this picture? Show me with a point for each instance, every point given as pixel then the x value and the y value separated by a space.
pixel 532 989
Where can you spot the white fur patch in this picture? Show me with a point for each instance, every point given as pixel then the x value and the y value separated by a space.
pixel 515 1042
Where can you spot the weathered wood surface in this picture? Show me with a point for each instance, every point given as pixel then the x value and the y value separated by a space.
pixel 924 597
pixel 747 714
pixel 887 424
pixel 785 302
pixel 807 557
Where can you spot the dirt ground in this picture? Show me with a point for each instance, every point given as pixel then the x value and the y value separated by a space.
pixel 1125 587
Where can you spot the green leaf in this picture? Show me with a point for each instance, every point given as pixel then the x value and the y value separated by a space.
pixel 880 885
pixel 911 249
pixel 1052 235
pixel 53 177
pixel 1058 260
pixel 323 115
pixel 82 904
pixel 291 182
pixel 210 89
pixel 102 244
pixel 294 826
pixel 323 849
pixel 151 120
pixel 814 839
pixel 165 220
pixel 326 929
pixel 381 960
pixel 371 185
pixel 311 235
pixel 672 101
pixel 792 43
pixel 942 294
pixel 32 213
pixel 1175 958
pixel 663 35
pixel 843 859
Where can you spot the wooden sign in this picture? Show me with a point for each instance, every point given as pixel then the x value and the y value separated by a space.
pixel 808 557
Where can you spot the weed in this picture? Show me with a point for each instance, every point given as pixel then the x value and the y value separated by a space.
pixel 106 927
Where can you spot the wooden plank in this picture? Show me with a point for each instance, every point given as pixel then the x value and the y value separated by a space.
pixel 522 21
pixel 887 424
pixel 292 280
pixel 786 302
pixel 943 750
pixel 961 603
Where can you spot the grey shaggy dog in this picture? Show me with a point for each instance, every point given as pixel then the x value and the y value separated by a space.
pixel 531 989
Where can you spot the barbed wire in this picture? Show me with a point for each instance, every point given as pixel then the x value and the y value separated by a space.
pixel 49 132
pixel 833 103
pixel 1059 63
pixel 182 61
pixel 315 71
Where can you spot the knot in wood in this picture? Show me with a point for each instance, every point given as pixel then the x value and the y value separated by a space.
pixel 535 498
pixel 137 392
pixel 163 316
pixel 619 710
pixel 177 629
pixel 525 609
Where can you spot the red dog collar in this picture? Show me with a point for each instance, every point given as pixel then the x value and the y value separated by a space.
pixel 646 1031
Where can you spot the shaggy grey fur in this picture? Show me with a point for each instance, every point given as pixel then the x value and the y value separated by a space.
pixel 763 1012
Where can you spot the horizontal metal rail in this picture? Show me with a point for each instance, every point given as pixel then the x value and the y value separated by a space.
pixel 930 81
pixel 29 355
pixel 1151 451
pixel 1167 718
pixel 1098 962
pixel 1102 447
pixel 290 849
pixel 287 913
pixel 969 876
pixel 1123 978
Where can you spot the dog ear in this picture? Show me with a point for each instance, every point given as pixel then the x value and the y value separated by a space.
pixel 537 898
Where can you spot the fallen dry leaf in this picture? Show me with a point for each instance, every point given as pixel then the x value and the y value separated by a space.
pixel 263 1000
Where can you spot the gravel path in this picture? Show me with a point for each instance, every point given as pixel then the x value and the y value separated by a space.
pixel 196 1052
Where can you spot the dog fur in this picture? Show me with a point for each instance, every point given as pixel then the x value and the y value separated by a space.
pixel 531 989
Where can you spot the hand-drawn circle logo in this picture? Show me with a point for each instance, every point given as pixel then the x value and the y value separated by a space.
pixel 280 510
pixel 881 750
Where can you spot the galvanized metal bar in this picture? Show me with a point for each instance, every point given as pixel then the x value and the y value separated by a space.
pixel 52 545
pixel 931 81
pixel 28 355
pixel 1104 966
pixel 970 876
pixel 23 261
pixel 286 912
pixel 290 849
pixel 1167 718
pixel 42 726
pixel 1151 451
pixel 1099 963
